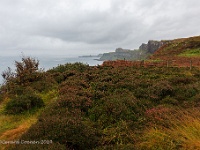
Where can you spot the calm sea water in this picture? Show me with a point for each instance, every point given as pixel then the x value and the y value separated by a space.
pixel 46 62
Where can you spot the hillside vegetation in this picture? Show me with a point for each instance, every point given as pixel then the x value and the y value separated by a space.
pixel 186 48
pixel 80 107
pixel 170 53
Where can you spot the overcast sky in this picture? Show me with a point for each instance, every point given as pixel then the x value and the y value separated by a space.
pixel 76 27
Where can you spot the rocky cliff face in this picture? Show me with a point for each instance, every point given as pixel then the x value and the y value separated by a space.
pixel 121 50
pixel 143 47
pixel 151 46
pixel 142 53
pixel 120 54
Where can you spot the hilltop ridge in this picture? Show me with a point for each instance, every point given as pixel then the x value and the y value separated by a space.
pixel 183 52
pixel 127 54
pixel 179 49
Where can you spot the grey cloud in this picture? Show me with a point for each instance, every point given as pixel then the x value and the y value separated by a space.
pixel 80 26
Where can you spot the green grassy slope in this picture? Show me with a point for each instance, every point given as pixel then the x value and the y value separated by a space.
pixel 175 49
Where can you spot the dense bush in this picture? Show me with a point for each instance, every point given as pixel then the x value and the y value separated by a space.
pixel 160 90
pixel 111 108
pixel 169 100
pixel 67 128
pixel 80 67
pixel 122 105
pixel 183 80
pixel 27 74
pixel 184 93
pixel 22 103
pixel 50 146
pixel 1 98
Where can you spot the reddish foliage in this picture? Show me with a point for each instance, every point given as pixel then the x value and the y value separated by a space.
pixel 180 62
pixel 121 63
pixel 156 113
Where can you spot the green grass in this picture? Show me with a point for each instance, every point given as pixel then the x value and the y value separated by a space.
pixel 13 126
pixel 155 60
pixel 180 130
pixel 191 53
pixel 50 96
pixel 9 122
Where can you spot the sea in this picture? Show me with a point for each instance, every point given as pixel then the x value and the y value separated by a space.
pixel 47 62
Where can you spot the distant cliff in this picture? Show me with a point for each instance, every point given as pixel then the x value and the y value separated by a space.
pixel 151 46
pixel 121 54
pixel 142 53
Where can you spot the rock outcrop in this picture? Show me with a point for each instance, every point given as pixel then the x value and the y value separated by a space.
pixel 120 54
pixel 126 54
pixel 151 46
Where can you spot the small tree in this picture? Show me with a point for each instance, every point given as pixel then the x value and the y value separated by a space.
pixel 27 67
pixel 8 76
pixel 26 71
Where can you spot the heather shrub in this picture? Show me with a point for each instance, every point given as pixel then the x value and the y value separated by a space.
pixel 118 135
pixel 122 105
pixel 1 97
pixel 141 93
pixel 26 74
pixel 22 103
pixel 66 127
pixel 75 95
pixel 19 90
pixel 50 146
pixel 60 77
pixel 118 147
pixel 185 92
pixel 2 93
pixel 196 98
pixel 112 107
pixel 45 84
pixel 169 100
pixel 27 71
pixel 182 80
pixel 160 90
pixel 80 67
